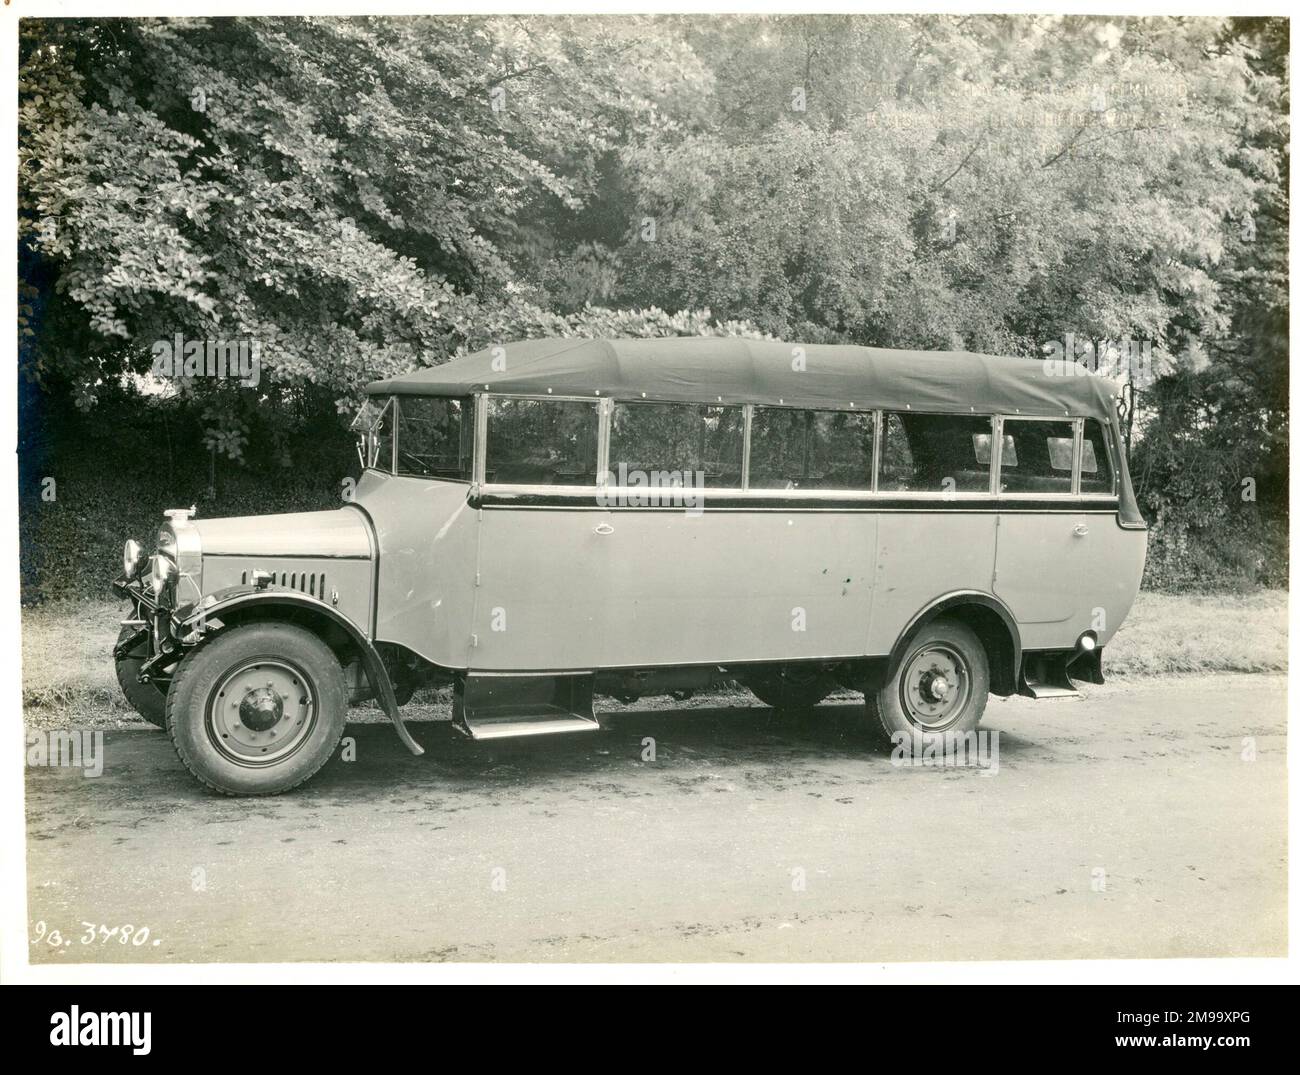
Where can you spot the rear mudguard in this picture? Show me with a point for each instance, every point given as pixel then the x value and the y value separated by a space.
pixel 198 622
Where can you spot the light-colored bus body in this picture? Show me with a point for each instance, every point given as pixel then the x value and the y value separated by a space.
pixel 727 585
pixel 513 577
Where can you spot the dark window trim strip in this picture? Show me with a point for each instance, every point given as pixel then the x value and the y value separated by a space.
pixel 876 503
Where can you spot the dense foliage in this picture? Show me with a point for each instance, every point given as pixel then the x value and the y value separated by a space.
pixel 362 196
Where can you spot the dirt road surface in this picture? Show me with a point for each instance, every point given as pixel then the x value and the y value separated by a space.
pixel 1145 820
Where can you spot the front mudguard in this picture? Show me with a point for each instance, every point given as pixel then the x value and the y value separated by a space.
pixel 129 643
pixel 193 623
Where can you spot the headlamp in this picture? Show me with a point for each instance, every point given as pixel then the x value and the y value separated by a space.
pixel 131 559
pixel 162 573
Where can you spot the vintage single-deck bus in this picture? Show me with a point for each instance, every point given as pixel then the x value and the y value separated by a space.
pixel 551 519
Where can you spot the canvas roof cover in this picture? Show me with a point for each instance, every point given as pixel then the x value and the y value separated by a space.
pixel 736 370
pixel 707 369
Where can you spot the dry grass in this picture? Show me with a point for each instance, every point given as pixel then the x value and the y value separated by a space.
pixel 68 659
pixel 68 670
pixel 1190 633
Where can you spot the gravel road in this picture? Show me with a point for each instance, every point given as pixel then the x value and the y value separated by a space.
pixel 1147 819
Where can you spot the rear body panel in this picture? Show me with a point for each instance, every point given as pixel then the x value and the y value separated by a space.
pixel 1065 573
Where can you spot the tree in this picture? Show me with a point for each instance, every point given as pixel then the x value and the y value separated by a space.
pixel 344 192
pixel 994 185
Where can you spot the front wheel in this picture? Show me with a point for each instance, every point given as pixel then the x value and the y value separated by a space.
pixel 258 709
pixel 941 685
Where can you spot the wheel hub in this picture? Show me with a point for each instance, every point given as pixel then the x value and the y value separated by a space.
pixel 935 687
pixel 261 711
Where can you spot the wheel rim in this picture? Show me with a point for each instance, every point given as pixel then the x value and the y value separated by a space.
pixel 261 711
pixel 935 686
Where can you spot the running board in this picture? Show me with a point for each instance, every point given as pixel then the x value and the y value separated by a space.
pixel 1048 690
pixel 1046 676
pixel 506 706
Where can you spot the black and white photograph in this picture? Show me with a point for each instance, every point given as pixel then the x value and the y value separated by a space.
pixel 660 495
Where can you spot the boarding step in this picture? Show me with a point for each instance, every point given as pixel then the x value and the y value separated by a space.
pixel 1046 676
pixel 506 706
pixel 1048 690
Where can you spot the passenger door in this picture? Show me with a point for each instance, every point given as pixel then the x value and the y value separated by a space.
pixel 540 603
pixel 1058 555
pixel 542 578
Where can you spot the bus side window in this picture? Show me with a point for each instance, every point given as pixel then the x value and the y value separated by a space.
pixel 794 449
pixel 676 443
pixel 1043 459
pixel 945 452
pixel 541 441
pixel 1095 474
pixel 897 470
pixel 435 437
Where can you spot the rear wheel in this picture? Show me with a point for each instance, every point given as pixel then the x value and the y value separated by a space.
pixel 258 709
pixel 791 686
pixel 941 685
pixel 147 699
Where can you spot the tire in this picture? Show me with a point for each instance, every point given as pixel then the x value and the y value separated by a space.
pixel 791 686
pixel 147 699
pixel 258 709
pixel 913 700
